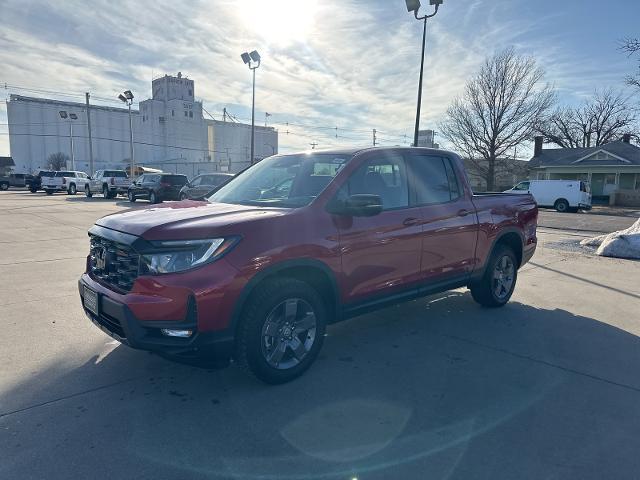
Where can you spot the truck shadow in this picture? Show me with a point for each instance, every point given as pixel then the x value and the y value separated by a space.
pixel 436 385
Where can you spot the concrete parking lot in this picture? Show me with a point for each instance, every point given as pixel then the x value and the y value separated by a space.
pixel 546 387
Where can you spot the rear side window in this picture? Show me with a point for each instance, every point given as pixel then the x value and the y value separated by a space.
pixel 65 174
pixel 431 182
pixel 174 179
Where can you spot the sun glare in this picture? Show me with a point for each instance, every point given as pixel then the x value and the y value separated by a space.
pixel 280 22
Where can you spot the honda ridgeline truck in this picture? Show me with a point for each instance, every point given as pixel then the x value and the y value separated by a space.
pixel 258 271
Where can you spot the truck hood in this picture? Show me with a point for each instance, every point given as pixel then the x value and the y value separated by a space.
pixel 184 220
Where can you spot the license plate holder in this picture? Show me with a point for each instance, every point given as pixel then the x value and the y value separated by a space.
pixel 91 300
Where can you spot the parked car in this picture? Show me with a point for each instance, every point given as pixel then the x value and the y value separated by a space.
pixel 200 186
pixel 258 276
pixel 109 183
pixel 34 182
pixel 18 180
pixel 157 187
pixel 563 195
pixel 65 181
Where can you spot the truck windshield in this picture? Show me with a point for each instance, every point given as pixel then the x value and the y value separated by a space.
pixel 282 181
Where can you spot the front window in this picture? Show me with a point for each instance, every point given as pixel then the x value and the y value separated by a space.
pixel 282 181
pixel 522 186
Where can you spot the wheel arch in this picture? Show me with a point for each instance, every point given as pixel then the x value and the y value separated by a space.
pixel 513 238
pixel 311 271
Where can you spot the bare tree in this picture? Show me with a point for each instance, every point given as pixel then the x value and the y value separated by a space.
pixel 632 46
pixel 498 111
pixel 603 119
pixel 58 161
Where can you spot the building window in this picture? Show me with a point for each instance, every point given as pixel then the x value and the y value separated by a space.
pixel 191 114
pixel 185 113
pixel 173 113
pixel 161 119
pixel 190 92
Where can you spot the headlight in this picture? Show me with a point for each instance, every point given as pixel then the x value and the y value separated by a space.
pixel 178 256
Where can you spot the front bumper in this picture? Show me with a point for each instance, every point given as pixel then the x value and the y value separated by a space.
pixel 117 320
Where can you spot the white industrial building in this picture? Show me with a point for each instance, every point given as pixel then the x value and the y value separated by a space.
pixel 169 132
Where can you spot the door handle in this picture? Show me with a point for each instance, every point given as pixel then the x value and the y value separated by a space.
pixel 463 213
pixel 410 221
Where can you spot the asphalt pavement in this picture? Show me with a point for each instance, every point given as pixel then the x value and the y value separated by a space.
pixel 546 387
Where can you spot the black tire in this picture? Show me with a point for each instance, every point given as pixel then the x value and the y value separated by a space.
pixel 183 196
pixel 4 186
pixel 491 291
pixel 561 205
pixel 131 196
pixel 251 340
pixel 72 190
pixel 105 191
pixel 153 198
pixel 33 190
pixel 49 192
pixel 87 191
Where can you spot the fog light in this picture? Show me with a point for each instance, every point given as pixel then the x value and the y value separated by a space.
pixel 169 332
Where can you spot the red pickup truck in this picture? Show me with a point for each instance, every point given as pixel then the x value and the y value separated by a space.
pixel 297 242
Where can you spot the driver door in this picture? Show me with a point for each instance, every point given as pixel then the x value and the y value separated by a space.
pixel 380 254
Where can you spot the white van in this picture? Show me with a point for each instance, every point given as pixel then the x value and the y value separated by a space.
pixel 563 195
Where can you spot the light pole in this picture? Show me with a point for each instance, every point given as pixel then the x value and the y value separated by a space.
pixel 414 6
pixel 127 97
pixel 252 60
pixel 71 117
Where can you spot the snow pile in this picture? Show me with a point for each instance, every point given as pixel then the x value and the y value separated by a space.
pixel 621 244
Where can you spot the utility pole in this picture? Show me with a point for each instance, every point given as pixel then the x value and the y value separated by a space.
pixel 89 131
pixel 224 114
pixel 313 145
pixel 374 137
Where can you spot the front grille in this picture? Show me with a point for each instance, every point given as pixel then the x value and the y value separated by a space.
pixel 113 263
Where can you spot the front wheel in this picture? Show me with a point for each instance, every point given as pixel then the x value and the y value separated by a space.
pixel 33 190
pixel 131 196
pixel 72 189
pixel 496 286
pixel 153 198
pixel 183 196
pixel 4 186
pixel 87 191
pixel 281 331
pixel 49 192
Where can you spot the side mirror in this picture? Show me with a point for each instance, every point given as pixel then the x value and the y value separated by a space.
pixel 361 205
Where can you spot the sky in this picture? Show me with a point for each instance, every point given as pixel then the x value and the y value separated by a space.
pixel 348 64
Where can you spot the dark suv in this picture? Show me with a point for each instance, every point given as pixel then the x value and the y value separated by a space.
pixel 157 187
pixel 200 186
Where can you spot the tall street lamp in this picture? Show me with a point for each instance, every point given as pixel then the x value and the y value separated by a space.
pixel 71 117
pixel 414 6
pixel 252 60
pixel 127 97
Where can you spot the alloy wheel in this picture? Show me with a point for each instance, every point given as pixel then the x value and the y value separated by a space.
pixel 503 277
pixel 288 333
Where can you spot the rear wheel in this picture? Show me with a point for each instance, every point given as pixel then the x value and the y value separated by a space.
pixel 72 189
pixel 4 186
pixel 561 205
pixel 499 279
pixel 281 331
pixel 49 192
pixel 33 190
pixel 87 191
pixel 183 196
pixel 131 196
pixel 153 198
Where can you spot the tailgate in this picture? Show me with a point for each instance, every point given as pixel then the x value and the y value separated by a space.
pixel 121 182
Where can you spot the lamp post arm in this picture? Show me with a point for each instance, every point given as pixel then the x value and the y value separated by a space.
pixel 415 13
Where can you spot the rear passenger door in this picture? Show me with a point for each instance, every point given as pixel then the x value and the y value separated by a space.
pixel 380 254
pixel 449 225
